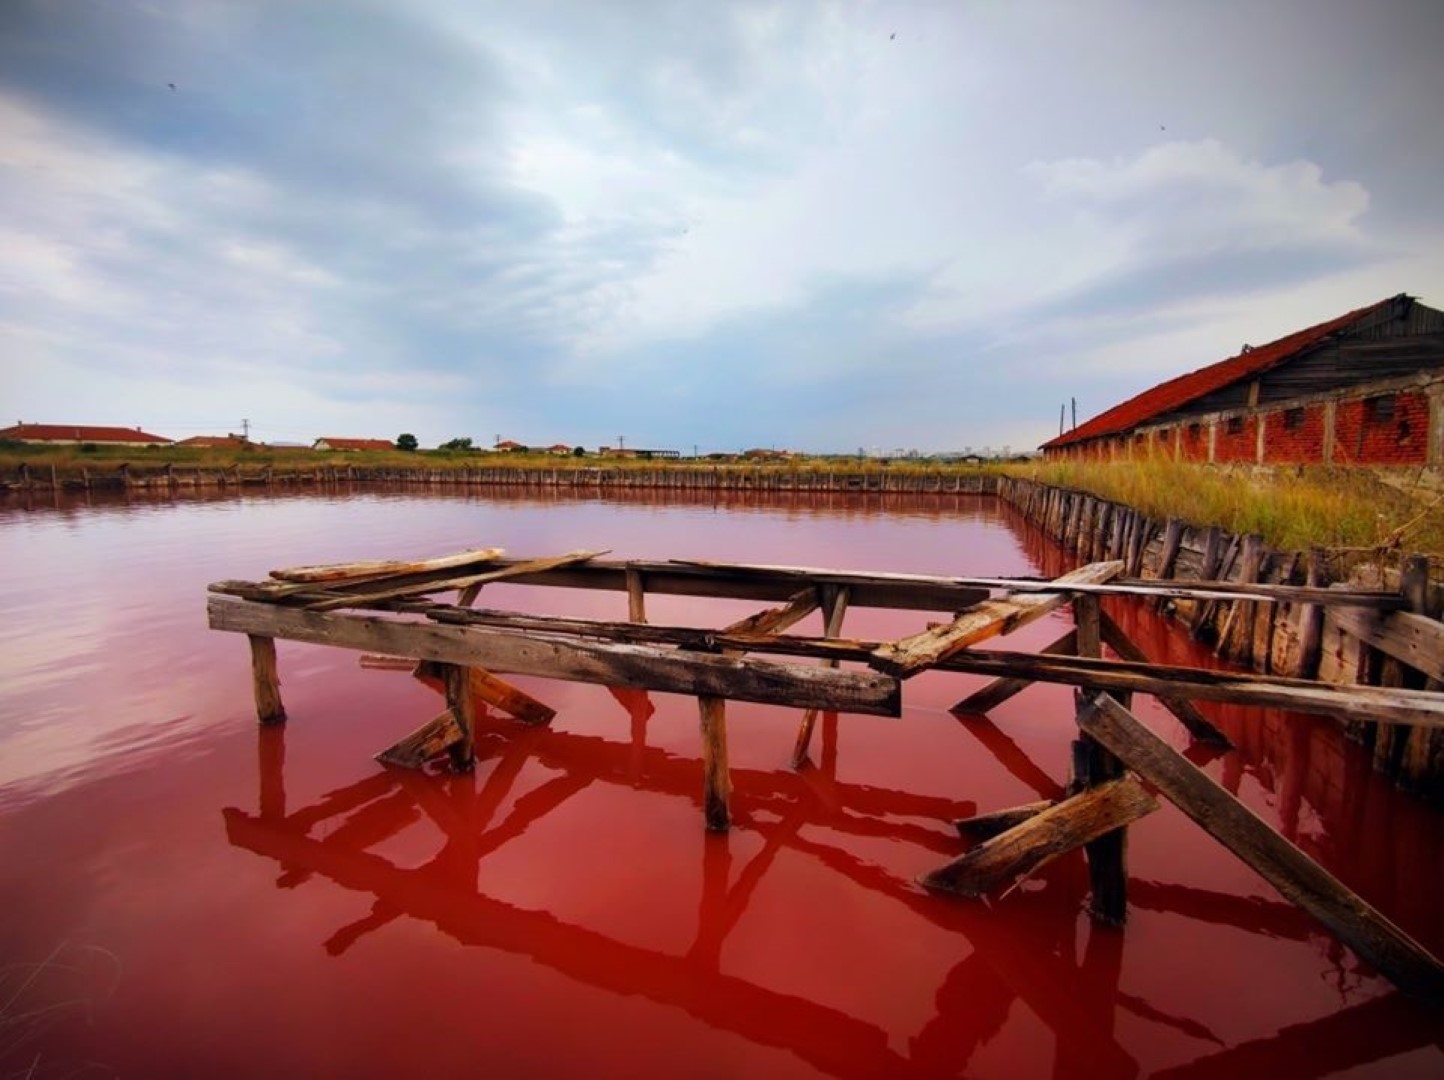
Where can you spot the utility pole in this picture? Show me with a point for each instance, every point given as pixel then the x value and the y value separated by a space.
pixel 246 430
pixel 621 442
pixel 1075 410
pixel 1062 413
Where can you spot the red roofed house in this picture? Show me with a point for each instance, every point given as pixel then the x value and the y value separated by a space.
pixel 327 442
pixel 217 442
pixel 509 445
pixel 1366 388
pixel 63 434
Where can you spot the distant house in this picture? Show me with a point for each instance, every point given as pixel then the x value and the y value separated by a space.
pixel 758 454
pixel 636 452
pixel 508 446
pixel 329 442
pixel 560 449
pixel 217 442
pixel 1366 388
pixel 70 434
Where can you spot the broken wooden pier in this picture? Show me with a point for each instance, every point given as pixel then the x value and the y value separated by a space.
pixel 396 612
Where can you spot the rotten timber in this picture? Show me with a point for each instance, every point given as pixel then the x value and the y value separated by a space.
pixel 1303 881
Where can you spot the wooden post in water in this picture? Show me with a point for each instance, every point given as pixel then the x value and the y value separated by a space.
pixel 716 777
pixel 265 680
pixel 636 596
pixel 834 606
pixel 1094 766
pixel 459 700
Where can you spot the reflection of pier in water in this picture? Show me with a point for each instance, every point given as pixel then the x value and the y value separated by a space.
pixel 1007 963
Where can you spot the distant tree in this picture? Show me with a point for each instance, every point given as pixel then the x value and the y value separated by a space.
pixel 457 444
pixel 579 451
pixel 406 441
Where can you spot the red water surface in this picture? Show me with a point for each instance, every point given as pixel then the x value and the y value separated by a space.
pixel 186 894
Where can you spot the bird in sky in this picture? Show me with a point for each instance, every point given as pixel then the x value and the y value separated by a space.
pixel 172 86
pixel 892 36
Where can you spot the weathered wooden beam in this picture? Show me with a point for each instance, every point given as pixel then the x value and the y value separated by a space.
pixel 1197 724
pixel 429 741
pixel 990 618
pixel 374 569
pixel 986 826
pixel 484 686
pixel 716 777
pixel 397 592
pixel 998 691
pixel 1042 837
pixel 1398 956
pixel 1367 703
pixel 1415 640
pixel 463 708
pixel 577 661
pixel 834 606
pixel 265 680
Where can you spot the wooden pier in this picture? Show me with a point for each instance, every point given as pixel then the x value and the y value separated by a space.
pixel 395 612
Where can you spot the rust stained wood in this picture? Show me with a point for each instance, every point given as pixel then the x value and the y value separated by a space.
pixel 1197 724
pixel 463 708
pixel 1369 933
pixel 716 777
pixel 578 661
pixel 1000 690
pixel 1367 703
pixel 459 582
pixel 380 568
pixel 982 621
pixel 1040 838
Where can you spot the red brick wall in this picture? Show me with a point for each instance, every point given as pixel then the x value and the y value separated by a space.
pixel 1195 442
pixel 1240 447
pixel 1304 444
pixel 1402 439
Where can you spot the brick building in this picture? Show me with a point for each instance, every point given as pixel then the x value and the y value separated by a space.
pixel 73 434
pixel 1366 388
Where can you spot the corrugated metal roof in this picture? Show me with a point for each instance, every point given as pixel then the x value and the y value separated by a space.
pixel 1175 393
pixel 79 433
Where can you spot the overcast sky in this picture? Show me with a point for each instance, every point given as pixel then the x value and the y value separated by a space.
pixel 815 226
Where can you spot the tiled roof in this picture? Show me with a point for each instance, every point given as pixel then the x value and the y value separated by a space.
pixel 227 442
pixel 356 444
pixel 1175 393
pixel 79 433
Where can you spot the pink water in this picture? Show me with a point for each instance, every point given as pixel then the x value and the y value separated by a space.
pixel 186 894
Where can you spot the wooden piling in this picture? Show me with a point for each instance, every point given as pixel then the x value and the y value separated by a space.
pixel 716 776
pixel 460 702
pixel 265 681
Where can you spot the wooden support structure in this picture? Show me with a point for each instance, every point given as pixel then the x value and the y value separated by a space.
pixel 834 607
pixel 463 709
pixel 998 691
pixel 265 680
pixel 986 826
pixel 982 621
pixel 1284 866
pixel 1041 837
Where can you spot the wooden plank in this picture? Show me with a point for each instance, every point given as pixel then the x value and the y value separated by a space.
pixel 373 569
pixel 834 605
pixel 265 681
pixel 986 826
pixel 460 582
pixel 1311 619
pixel 426 743
pixel 1367 703
pixel 636 597
pixel 1197 724
pixel 1042 837
pixel 998 691
pixel 990 618
pixel 775 620
pixel 1294 874
pixel 608 664
pixel 1415 640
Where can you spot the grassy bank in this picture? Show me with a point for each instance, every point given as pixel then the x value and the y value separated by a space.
pixel 1291 508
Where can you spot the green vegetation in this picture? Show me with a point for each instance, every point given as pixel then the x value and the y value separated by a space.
pixel 406 441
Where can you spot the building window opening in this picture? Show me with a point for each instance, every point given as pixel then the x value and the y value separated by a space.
pixel 1235 425
pixel 1380 409
pixel 1293 419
